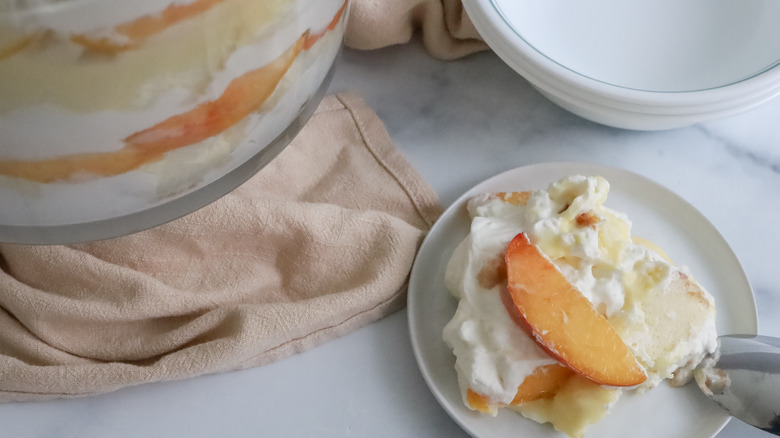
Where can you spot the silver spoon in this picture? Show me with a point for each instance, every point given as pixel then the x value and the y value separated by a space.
pixel 743 377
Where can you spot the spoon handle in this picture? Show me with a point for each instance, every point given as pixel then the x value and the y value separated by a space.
pixel 745 379
pixel 749 352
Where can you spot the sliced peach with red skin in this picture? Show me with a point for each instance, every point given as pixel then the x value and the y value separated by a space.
pixel 131 34
pixel 562 321
pixel 543 382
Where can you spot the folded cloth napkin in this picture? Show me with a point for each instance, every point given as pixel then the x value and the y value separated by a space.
pixel 446 30
pixel 318 243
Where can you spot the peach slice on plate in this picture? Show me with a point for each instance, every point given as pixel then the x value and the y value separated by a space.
pixel 543 382
pixel 562 321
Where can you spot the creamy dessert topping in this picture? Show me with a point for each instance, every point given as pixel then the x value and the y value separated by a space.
pixel 661 313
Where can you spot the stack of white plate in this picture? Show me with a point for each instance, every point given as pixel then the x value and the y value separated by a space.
pixel 640 64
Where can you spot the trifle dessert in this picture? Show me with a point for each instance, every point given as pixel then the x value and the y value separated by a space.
pixel 561 309
pixel 113 107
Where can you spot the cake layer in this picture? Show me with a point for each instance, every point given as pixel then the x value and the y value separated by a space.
pixel 657 308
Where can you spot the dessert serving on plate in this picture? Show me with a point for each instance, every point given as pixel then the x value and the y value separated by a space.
pixel 110 107
pixel 561 309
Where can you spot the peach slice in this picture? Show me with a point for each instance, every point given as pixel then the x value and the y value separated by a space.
pixel 514 198
pixel 243 95
pixel 545 381
pixel 129 35
pixel 67 167
pixel 479 402
pixel 11 45
pixel 562 321
pixel 313 38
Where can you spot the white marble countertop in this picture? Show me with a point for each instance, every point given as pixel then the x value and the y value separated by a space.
pixel 458 123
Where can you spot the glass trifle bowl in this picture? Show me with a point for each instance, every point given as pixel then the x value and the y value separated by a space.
pixel 117 115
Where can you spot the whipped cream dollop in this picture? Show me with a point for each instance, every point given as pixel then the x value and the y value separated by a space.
pixel 634 286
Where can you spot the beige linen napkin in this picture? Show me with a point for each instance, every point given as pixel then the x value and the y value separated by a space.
pixel 320 242
pixel 446 30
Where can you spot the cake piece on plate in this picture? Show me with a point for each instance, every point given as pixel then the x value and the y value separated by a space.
pixel 664 318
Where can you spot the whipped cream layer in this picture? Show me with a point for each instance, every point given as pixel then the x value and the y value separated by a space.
pixel 62 100
pixel 592 246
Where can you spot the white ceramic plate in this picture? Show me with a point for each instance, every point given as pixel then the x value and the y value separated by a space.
pixel 657 214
